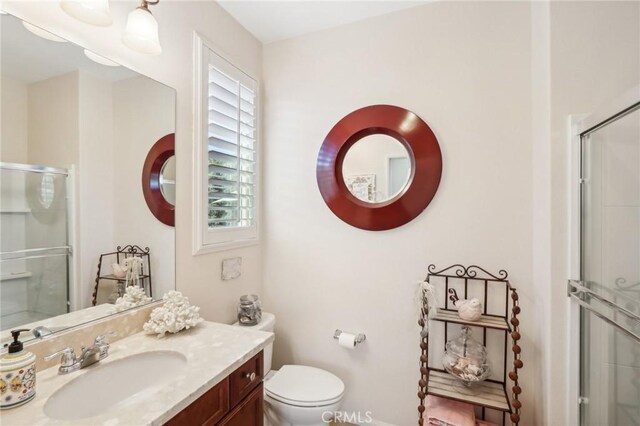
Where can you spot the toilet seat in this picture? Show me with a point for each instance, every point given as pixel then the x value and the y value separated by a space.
pixel 304 386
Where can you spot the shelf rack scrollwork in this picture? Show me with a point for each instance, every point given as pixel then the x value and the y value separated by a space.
pixel 507 323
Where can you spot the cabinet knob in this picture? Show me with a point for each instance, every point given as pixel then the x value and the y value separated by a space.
pixel 250 376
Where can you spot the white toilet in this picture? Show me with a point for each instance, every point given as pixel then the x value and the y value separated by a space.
pixel 297 395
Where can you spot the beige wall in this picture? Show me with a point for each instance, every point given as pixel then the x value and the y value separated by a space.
pixel 465 69
pixel 198 277
pixel 54 135
pixel 95 182
pixel 144 111
pixel 13 147
pixel 594 57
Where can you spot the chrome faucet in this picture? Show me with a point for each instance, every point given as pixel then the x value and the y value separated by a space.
pixel 41 331
pixel 94 353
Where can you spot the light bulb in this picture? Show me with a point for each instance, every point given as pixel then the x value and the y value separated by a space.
pixel 100 59
pixel 141 33
pixel 94 12
pixel 43 33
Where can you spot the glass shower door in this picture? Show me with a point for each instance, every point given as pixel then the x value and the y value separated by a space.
pixel 609 289
pixel 34 258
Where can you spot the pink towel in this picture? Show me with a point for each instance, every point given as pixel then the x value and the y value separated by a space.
pixel 447 412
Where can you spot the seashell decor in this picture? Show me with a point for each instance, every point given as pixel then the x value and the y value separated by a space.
pixel 175 315
pixel 469 310
pixel 133 296
pixel 119 271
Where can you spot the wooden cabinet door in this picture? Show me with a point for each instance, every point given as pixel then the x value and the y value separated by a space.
pixel 208 409
pixel 245 379
pixel 248 413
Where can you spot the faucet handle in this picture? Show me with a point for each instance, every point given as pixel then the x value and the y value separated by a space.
pixel 68 356
pixel 100 339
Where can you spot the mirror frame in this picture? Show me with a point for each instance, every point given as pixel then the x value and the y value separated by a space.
pixel 159 153
pixel 426 167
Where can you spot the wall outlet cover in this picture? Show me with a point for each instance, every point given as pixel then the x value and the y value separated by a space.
pixel 231 268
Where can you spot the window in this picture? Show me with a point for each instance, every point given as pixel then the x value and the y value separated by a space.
pixel 227 178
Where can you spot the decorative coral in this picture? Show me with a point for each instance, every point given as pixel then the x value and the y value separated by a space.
pixel 133 296
pixel 175 315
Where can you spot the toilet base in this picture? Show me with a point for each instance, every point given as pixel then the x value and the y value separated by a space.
pixel 278 414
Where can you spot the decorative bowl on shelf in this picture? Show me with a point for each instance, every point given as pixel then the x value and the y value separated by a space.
pixel 466 360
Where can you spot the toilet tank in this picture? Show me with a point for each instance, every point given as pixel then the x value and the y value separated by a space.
pixel 267 323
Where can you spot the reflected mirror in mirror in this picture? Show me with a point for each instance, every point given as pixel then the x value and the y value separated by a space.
pixel 168 180
pixel 75 135
pixel 376 168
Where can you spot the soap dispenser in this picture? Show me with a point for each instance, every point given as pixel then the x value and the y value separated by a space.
pixel 17 374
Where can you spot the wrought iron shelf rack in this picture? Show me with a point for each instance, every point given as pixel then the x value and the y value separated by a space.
pixel 117 257
pixel 473 281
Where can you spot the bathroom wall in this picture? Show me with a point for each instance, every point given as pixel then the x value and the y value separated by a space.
pixel 95 181
pixel 14 126
pixel 140 100
pixel 594 58
pixel 465 68
pixel 54 135
pixel 198 277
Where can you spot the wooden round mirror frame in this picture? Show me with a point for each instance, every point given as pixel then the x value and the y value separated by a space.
pixel 159 153
pixel 426 167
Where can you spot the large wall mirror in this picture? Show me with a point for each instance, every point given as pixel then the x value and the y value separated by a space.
pixel 76 232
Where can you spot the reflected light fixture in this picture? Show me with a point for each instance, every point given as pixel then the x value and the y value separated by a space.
pixel 141 33
pixel 42 33
pixel 100 59
pixel 94 12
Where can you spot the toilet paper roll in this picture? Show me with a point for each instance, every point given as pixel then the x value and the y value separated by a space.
pixel 347 340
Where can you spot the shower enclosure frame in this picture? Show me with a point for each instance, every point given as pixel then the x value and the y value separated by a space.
pixel 578 125
pixel 33 253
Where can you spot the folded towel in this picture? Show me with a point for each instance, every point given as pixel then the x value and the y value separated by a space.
pixel 447 412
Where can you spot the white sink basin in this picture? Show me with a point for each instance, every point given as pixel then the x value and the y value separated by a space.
pixel 103 386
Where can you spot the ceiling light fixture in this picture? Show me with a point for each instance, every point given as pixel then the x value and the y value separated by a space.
pixel 100 59
pixel 42 33
pixel 94 12
pixel 141 33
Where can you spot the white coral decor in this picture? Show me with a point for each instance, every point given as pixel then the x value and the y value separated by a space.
pixel 176 314
pixel 133 296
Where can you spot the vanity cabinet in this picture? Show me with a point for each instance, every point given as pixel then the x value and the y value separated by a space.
pixel 235 401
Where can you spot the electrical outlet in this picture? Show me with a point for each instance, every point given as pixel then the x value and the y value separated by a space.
pixel 231 268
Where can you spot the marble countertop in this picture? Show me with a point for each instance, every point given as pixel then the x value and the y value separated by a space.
pixel 61 322
pixel 213 351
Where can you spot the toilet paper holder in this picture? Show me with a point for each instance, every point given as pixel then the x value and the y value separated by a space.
pixel 360 337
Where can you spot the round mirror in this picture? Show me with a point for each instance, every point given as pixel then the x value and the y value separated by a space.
pixel 159 179
pixel 376 168
pixel 384 155
pixel 168 180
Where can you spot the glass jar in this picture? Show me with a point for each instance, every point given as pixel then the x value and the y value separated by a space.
pixel 249 310
pixel 466 359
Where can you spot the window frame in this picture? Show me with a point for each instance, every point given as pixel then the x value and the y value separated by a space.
pixel 207 240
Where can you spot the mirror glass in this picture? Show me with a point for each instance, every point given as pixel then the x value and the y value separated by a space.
pixel 168 180
pixel 376 168
pixel 74 137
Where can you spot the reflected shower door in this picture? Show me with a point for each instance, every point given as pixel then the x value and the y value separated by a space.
pixel 610 273
pixel 34 260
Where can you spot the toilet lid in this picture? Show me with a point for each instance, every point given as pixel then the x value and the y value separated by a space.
pixel 302 385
